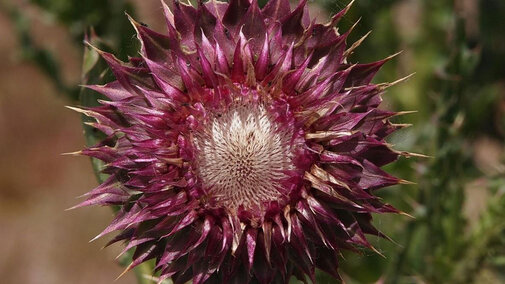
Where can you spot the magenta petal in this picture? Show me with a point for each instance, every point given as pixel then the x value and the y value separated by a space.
pixel 184 19
pixel 186 221
pixel 221 61
pixel 253 27
pixel 208 73
pixel 234 14
pixel 112 90
pixel 237 73
pixel 251 236
pixel 263 60
pixel 292 27
pixel 167 73
pixel 217 8
pixel 276 9
pixel 205 26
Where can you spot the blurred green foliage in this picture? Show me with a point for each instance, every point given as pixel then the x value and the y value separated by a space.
pixel 457 50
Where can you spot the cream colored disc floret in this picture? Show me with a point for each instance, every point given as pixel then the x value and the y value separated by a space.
pixel 241 156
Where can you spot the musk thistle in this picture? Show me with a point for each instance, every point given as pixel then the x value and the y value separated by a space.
pixel 242 146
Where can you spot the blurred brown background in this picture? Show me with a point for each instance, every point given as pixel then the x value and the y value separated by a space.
pixel 40 243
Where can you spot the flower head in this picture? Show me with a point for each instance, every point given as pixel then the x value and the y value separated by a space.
pixel 242 146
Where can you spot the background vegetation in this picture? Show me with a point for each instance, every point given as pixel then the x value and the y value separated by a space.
pixel 457 50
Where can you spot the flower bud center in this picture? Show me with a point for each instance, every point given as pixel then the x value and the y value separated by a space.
pixel 242 156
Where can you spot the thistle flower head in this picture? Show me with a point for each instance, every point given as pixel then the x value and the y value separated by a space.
pixel 242 145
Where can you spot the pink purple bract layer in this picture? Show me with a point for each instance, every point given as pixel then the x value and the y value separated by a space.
pixel 242 146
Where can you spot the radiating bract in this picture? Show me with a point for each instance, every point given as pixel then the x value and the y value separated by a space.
pixel 242 146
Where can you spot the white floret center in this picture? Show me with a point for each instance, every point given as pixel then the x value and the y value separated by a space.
pixel 242 156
